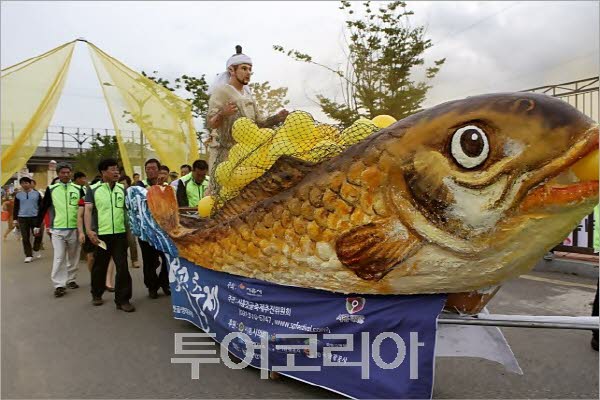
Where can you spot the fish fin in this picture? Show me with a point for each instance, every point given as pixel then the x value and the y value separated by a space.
pixel 372 250
pixel 162 203
pixel 284 174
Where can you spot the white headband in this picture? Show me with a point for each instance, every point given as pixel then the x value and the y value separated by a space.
pixel 223 77
pixel 238 59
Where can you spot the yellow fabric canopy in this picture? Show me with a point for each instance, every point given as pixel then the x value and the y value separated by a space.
pixel 165 119
pixel 30 92
pixel 32 88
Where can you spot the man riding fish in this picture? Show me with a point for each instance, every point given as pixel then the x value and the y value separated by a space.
pixel 455 198
pixel 230 99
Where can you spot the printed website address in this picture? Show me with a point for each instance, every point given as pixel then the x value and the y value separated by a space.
pixel 301 327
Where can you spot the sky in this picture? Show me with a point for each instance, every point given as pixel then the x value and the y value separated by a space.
pixel 488 46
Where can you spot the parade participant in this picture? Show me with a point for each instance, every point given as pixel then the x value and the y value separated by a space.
pixel 136 178
pixel 193 187
pixel 152 166
pixel 80 179
pixel 150 256
pixel 163 175
pixel 26 215
pixel 163 179
pixel 41 231
pixel 62 201
pixel 16 229
pixel 230 99
pixel 91 249
pixel 87 247
pixel 46 221
pixel 105 226
pixel 8 207
pixel 184 170
pixel 126 182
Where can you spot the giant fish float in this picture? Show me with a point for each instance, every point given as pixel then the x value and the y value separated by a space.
pixel 454 199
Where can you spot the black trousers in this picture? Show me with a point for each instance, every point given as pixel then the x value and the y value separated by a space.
pixel 151 259
pixel 116 247
pixel 26 225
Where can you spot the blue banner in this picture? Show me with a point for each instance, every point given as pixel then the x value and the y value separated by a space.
pixel 360 346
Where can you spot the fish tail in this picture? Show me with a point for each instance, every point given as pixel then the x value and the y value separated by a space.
pixel 162 203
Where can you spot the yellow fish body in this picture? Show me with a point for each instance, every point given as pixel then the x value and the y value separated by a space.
pixel 452 199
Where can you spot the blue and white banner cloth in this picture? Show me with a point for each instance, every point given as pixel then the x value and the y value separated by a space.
pixel 358 346
pixel 143 225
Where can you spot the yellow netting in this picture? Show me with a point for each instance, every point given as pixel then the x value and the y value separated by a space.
pixel 30 93
pixel 256 149
pixel 165 119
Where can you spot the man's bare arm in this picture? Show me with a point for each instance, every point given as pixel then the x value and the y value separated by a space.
pixel 215 121
pixel 228 110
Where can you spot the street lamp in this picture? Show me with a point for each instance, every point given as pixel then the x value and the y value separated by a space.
pixel 76 138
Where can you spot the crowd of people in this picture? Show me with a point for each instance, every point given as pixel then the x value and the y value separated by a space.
pixel 92 218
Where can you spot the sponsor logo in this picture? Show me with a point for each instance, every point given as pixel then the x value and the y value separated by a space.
pixel 355 304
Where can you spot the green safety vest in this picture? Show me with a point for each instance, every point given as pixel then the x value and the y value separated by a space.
pixel 194 191
pixel 109 207
pixel 65 203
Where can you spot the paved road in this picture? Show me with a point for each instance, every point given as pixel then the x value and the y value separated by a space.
pixel 66 348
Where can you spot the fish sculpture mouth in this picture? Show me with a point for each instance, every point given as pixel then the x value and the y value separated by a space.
pixel 555 185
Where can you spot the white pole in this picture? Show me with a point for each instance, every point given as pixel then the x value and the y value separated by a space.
pixel 523 321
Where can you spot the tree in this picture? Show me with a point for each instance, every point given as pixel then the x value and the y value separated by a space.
pixel 383 50
pixel 196 90
pixel 268 100
pixel 102 147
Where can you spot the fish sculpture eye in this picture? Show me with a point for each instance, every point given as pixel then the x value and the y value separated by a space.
pixel 470 147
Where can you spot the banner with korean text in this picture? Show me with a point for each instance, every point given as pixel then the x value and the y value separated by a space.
pixel 359 346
